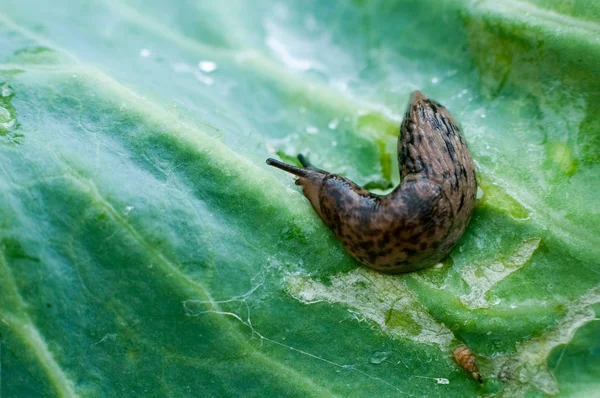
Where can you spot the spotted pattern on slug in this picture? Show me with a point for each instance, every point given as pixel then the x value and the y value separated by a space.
pixel 420 221
pixel 386 233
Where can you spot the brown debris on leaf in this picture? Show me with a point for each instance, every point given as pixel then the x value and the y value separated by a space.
pixel 466 360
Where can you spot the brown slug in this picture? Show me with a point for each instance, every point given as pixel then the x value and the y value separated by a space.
pixel 466 360
pixel 419 222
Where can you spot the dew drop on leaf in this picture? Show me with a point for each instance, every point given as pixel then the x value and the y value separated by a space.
pixel 4 115
pixel 379 357
pixel 6 90
pixel 207 66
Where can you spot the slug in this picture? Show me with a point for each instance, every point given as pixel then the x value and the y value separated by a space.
pixel 419 222
pixel 466 360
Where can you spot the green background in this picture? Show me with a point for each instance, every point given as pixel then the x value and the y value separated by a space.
pixel 147 250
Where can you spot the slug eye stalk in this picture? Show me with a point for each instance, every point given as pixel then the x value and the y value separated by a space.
pixel 287 167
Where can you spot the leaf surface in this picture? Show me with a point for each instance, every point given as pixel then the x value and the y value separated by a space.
pixel 147 250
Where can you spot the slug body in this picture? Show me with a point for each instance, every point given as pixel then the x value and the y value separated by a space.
pixel 419 222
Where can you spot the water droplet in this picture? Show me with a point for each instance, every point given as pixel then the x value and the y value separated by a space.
pixel 333 124
pixel 379 357
pixel 480 193
pixel 513 306
pixel 435 80
pixel 462 93
pixel 312 130
pixel 6 90
pixel 483 115
pixel 207 66
pixel 5 115
pixel 145 53
pixel 441 380
pixel 8 126
pixel 334 143
pixel 128 210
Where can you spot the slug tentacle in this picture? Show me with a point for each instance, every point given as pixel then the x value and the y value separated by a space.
pixel 305 162
pixel 288 167
pixel 419 222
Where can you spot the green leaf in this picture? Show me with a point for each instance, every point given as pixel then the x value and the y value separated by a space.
pixel 147 250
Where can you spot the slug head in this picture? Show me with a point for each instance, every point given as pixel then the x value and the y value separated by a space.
pixel 310 179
